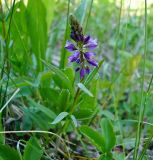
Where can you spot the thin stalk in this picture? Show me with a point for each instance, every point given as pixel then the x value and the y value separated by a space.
pixel 90 8
pixel 142 103
pixel 6 37
pixel 63 51
pixel 72 109
pixel 117 39
pixel 125 37
pixel 145 147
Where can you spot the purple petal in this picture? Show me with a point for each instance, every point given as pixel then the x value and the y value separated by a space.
pixel 92 44
pixel 81 38
pixel 70 46
pixel 74 56
pixel 86 39
pixel 74 36
pixel 82 73
pixel 78 60
pixel 93 62
pixel 89 55
pixel 87 70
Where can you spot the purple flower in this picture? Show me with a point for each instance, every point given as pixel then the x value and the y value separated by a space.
pixel 70 46
pixel 91 44
pixel 80 54
pixel 87 70
pixel 89 55
pixel 82 73
pixel 74 56
pixel 93 62
pixel 86 39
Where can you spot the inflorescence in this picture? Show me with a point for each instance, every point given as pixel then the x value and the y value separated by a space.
pixel 81 48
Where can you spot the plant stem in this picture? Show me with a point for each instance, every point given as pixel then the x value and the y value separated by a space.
pixel 143 102
pixel 63 52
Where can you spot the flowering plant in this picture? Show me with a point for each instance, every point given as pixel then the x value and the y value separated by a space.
pixel 81 48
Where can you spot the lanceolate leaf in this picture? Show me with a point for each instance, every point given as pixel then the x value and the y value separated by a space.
pixel 74 120
pixel 60 117
pixel 108 134
pixel 95 138
pixel 84 89
pixel 60 77
pixel 8 153
pixel 33 151
pixel 37 28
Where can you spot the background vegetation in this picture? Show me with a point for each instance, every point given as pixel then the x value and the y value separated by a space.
pixel 41 118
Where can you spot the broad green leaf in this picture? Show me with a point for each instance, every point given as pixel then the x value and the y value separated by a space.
pixel 88 105
pixel 95 137
pixel 60 78
pixel 108 134
pixel 8 153
pixel 32 151
pixel 84 89
pixel 37 28
pixel 64 100
pixel 60 117
pixel 43 78
pixel 70 73
pixel 93 73
pixel 42 108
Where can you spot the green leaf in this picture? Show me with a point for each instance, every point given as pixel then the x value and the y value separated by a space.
pixel 70 73
pixel 37 28
pixel 108 134
pixel 108 114
pixel 81 11
pixel 19 36
pixel 33 151
pixel 64 100
pixel 105 157
pixel 42 108
pixel 95 138
pixel 93 73
pixel 59 77
pixel 8 153
pixel 2 137
pixel 74 120
pixel 60 117
pixel 84 89
pixel 49 5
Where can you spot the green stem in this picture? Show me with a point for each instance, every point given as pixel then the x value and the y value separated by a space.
pixel 63 52
pixel 117 39
pixel 85 28
pixel 143 102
